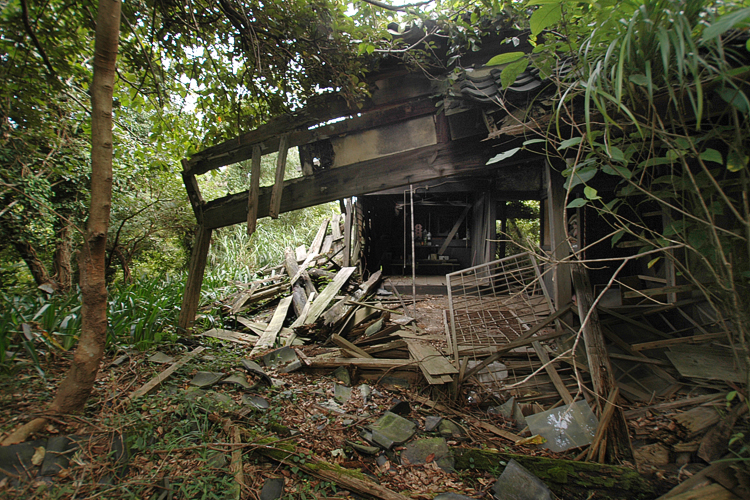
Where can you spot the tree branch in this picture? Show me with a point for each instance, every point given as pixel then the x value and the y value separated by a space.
pixel 34 39
pixel 396 8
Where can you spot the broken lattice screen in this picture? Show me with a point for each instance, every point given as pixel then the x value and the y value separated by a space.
pixel 494 303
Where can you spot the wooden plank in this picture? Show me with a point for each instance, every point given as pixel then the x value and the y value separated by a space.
pixel 196 270
pixel 336 227
pixel 367 363
pixel 239 149
pixel 559 244
pixel 695 339
pixel 422 164
pixel 552 372
pixel 239 338
pixel 253 194
pixel 653 292
pixel 302 317
pixel 345 344
pixel 165 374
pixel 347 255
pixel 429 359
pixel 393 345
pixel 194 194
pixel 454 230
pixel 327 295
pixel 634 322
pixel 278 186
pixel 255 326
pixel 319 237
pixel 274 326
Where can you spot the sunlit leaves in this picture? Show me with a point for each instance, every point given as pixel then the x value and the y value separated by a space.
pixel 545 16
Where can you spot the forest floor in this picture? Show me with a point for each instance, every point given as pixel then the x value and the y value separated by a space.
pixel 178 441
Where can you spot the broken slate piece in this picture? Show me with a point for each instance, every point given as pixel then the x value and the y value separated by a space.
pixel 160 357
pixel 517 483
pixel 363 449
pixel 452 496
pixel 206 379
pixel 342 393
pixel 450 430
pixel 565 427
pixel 423 451
pixel 255 401
pixel 16 459
pixel 237 379
pixel 374 328
pixel 391 429
pixel 431 423
pixel 292 367
pixel 57 457
pixel 273 489
pixel 365 390
pixel 342 375
pixel 279 357
pixel 255 369
pixel 219 398
pixel 401 408
pixel 217 460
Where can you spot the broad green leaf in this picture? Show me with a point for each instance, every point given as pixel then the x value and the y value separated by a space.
pixel 727 22
pixel 544 17
pixel 573 141
pixel 736 98
pixel 712 155
pixel 591 193
pixel 652 262
pixel 577 203
pixel 736 160
pixel 533 141
pixel 617 237
pixel 506 58
pixel 639 79
pixel 580 176
pixel 511 72
pixel 616 154
pixel 503 156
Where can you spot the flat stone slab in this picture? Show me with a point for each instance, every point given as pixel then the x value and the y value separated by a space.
pixel 239 379
pixel 565 427
pixel 206 379
pixel 16 459
pixel 391 429
pixel 160 357
pixel 342 393
pixel 279 357
pixel 423 451
pixel 255 369
pixel 342 375
pixel 432 422
pixel 517 483
pixel 364 449
pixel 452 496
pixel 450 430
pixel 273 489
pixel 256 401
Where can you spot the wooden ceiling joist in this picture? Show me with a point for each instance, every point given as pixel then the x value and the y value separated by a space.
pixel 418 165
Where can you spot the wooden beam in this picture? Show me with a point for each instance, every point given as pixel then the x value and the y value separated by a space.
pixel 319 237
pixel 254 192
pixel 347 233
pixel 278 186
pixel 194 194
pixel 267 136
pixel 274 326
pixel 453 230
pixel 369 176
pixel 163 375
pixel 552 372
pixel 559 236
pixel 197 268
pixel 327 295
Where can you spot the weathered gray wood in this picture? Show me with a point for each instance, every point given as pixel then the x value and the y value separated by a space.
pixel 602 378
pixel 345 344
pixel 319 236
pixel 194 194
pixel 453 230
pixel 400 169
pixel 164 374
pixel 560 247
pixel 278 186
pixel 299 296
pixel 254 192
pixel 240 338
pixel 274 327
pixel 347 256
pixel 336 227
pixel 369 363
pixel 552 372
pixel 302 317
pixel 195 279
pixel 239 149
pixel 327 295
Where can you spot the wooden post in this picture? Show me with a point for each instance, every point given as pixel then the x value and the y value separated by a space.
pixel 278 186
pixel 559 247
pixel 193 192
pixel 195 279
pixel 254 193
pixel 617 438
pixel 347 233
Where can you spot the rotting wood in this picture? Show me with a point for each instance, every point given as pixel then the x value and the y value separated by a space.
pixel 604 419
pixel 522 340
pixel 328 294
pixel 255 326
pixel 278 186
pixel 254 192
pixel 367 363
pixel 336 227
pixel 695 339
pixel 347 255
pixel 237 337
pixel 235 465
pixel 696 420
pixel 274 326
pixel 197 268
pixel 600 369
pixel 468 418
pixel 552 372
pixel 345 344
pixel 628 349
pixel 165 374
pixel 194 194
pixel 302 317
pixel 716 441
pixel 429 359
pixel 299 295
pixel 453 230
pixel 318 240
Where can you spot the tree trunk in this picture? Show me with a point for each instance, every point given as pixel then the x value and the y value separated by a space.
pixel 75 389
pixel 34 263
pixel 63 258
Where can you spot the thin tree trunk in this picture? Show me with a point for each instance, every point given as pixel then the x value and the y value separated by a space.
pixel 75 389
pixel 63 257
pixel 34 263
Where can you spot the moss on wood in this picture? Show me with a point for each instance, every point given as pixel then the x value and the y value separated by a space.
pixel 566 478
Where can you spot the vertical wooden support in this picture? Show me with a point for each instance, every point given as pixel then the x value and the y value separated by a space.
pixel 195 279
pixel 306 159
pixel 669 268
pixel 602 378
pixel 491 224
pixel 559 247
pixel 503 216
pixel 278 185
pixel 193 192
pixel 348 233
pixel 254 193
